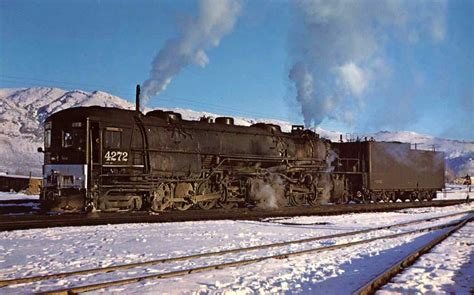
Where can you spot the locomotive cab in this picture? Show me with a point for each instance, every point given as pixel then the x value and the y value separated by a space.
pixel 64 169
pixel 87 149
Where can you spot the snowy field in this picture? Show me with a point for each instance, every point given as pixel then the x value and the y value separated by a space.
pixel 46 251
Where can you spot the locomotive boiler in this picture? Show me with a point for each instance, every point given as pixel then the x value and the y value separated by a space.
pixel 98 158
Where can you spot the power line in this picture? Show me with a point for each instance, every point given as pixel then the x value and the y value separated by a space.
pixel 166 97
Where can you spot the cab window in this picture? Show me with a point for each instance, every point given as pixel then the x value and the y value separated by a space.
pixel 72 138
pixel 113 139
pixel 47 138
pixel 67 139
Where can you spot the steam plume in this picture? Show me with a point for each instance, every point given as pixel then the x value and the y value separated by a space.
pixel 216 19
pixel 268 193
pixel 338 50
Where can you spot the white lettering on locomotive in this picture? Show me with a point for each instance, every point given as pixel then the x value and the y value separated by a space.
pixel 116 156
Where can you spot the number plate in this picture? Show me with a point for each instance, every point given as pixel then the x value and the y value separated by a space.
pixel 111 157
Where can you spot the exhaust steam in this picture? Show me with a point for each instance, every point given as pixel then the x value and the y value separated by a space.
pixel 215 20
pixel 268 193
pixel 338 53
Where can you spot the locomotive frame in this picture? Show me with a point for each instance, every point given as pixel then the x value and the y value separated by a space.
pixel 98 158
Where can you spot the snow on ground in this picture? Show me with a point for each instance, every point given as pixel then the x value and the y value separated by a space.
pixel 447 268
pixel 5 196
pixel 456 191
pixel 42 251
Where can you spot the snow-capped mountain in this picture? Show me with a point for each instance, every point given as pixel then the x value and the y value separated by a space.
pixel 22 112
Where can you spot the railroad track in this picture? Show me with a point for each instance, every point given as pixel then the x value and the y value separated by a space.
pixel 45 221
pixel 383 278
pixel 241 262
pixel 19 207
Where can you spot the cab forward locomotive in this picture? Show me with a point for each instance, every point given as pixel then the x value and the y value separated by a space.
pixel 98 158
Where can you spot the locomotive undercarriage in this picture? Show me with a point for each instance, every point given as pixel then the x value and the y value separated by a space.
pixel 226 188
pixel 231 185
pixel 56 199
pixel 222 188
pixel 368 196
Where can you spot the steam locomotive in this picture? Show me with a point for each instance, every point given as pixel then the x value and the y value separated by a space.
pixel 98 158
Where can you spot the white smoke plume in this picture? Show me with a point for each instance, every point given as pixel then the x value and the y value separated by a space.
pixel 338 54
pixel 216 19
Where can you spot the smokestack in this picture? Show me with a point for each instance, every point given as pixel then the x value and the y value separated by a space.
pixel 137 98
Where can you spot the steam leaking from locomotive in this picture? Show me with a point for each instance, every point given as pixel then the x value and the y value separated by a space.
pixel 215 20
pixel 268 193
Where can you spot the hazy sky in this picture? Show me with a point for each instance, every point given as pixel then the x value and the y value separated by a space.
pixel 351 66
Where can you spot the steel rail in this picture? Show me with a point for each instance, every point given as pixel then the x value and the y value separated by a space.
pixel 25 222
pixel 97 286
pixel 4 283
pixel 383 278
pixel 19 201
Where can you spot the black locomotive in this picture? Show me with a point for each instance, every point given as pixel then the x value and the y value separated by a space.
pixel 98 158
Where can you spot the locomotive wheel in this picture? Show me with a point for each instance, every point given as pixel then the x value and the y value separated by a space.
pixel 312 197
pixel 359 197
pixel 227 205
pixel 202 190
pixel 391 197
pixel 416 196
pixel 295 199
pixel 161 198
pixel 372 197
pixel 136 203
pixel 182 206
pixel 385 197
pixel 431 195
pixel 408 197
pixel 183 190
pixel 206 205
pixel 422 196
pixel 223 203
pixel 367 196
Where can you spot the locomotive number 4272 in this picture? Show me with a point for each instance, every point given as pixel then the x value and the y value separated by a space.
pixel 116 156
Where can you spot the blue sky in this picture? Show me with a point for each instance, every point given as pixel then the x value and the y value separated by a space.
pixel 110 45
